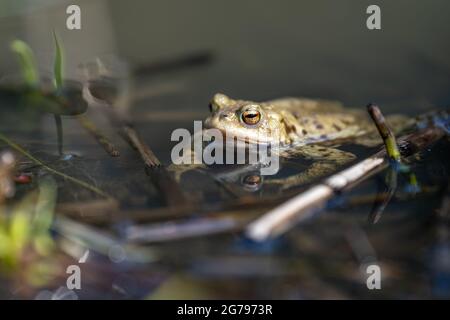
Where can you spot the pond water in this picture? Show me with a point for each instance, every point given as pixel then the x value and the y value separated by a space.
pixel 155 240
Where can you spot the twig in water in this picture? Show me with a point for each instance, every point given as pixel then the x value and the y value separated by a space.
pixel 384 197
pixel 99 241
pixel 145 152
pixel 109 147
pixel 92 214
pixel 165 183
pixel 167 186
pixel 39 162
pixel 390 144
pixel 393 152
pixel 176 230
pixel 159 175
pixel 302 206
pixel 385 132
pixel 59 133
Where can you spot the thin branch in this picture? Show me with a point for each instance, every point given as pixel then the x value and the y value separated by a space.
pixel 107 145
pixel 59 133
pixel 383 198
pixel 177 230
pixel 39 162
pixel 99 241
pixel 162 179
pixel 145 152
pixel 302 206
pixel 92 213
pixel 385 132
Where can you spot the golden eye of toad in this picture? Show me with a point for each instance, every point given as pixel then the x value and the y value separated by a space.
pixel 251 117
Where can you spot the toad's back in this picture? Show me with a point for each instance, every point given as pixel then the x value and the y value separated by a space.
pixel 308 121
pixel 293 121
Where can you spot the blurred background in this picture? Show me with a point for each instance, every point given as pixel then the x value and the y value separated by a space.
pixel 262 50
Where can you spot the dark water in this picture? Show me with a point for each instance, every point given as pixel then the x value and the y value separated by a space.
pixel 251 51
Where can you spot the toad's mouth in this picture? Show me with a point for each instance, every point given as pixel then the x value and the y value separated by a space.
pixel 231 138
pixel 248 138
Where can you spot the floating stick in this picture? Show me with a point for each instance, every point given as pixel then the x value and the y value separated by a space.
pixel 302 206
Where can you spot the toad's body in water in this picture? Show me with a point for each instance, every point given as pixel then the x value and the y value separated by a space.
pixel 311 129
pixel 290 121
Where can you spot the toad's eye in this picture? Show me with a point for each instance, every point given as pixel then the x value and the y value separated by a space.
pixel 251 117
pixel 252 180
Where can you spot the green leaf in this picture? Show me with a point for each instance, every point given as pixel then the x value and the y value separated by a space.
pixel 20 231
pixel 44 244
pixel 27 62
pixel 45 205
pixel 20 223
pixel 5 244
pixel 58 65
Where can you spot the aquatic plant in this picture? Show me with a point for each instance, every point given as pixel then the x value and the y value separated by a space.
pixel 58 63
pixel 64 99
pixel 25 227
pixel 27 62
